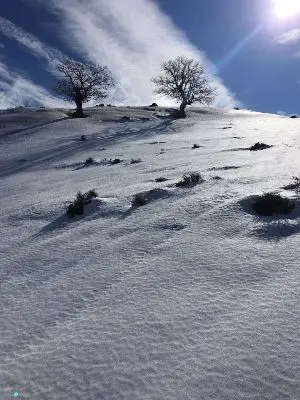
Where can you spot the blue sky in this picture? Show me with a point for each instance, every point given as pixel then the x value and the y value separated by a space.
pixel 252 55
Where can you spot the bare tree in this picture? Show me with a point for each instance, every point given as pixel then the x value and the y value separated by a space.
pixel 81 82
pixel 184 80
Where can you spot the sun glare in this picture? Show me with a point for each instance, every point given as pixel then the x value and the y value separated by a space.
pixel 284 9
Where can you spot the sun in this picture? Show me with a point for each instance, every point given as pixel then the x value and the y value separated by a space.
pixel 284 9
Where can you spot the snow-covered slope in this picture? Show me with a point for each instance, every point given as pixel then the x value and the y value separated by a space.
pixel 191 296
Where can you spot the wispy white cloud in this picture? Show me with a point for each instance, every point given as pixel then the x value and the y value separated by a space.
pixel 31 43
pixel 16 90
pixel 292 36
pixel 132 37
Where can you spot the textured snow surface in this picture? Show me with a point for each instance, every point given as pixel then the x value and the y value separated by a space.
pixel 191 296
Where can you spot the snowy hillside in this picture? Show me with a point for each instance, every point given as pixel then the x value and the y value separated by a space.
pixel 191 296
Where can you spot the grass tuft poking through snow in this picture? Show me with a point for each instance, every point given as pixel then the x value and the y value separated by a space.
pixel 135 161
pixel 143 198
pixel 294 185
pixel 259 146
pixel 89 161
pixel 190 180
pixel 161 179
pixel 77 206
pixel 139 200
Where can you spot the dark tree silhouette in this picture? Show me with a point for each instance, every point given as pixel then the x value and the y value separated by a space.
pixel 81 82
pixel 184 80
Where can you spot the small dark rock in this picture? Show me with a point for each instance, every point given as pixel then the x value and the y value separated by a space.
pixel 153 105
pixel 236 108
pixel 82 138
pixel 196 146
pixel 294 116
pixel 125 118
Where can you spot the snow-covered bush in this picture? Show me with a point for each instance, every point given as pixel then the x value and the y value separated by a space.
pixel 272 203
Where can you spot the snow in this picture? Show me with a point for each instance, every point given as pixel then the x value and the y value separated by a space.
pixel 191 296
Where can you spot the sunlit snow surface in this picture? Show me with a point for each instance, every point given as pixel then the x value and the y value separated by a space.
pixel 189 297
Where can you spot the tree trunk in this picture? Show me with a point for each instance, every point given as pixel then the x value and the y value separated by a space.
pixel 78 113
pixel 182 107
